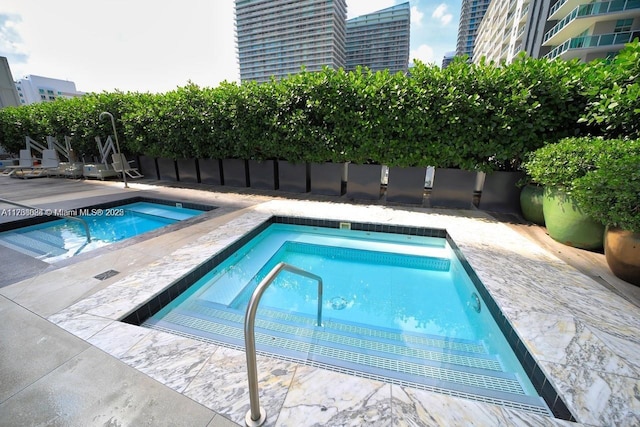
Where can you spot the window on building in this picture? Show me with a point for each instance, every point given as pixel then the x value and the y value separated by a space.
pixel 43 97
pixel 623 25
pixel 40 90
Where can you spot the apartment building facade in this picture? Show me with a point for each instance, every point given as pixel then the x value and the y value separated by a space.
pixel 471 15
pixel 35 89
pixel 557 29
pixel 276 37
pixel 380 40
pixel 588 30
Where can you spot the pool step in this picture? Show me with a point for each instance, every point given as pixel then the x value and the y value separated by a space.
pixel 460 367
pixel 36 243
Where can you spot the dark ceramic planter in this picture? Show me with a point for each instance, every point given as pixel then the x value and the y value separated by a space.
pixel 567 224
pixel 500 192
pixel 363 181
pixel 210 171
pixel 235 173
pixel 148 167
pixel 531 203
pixel 328 178
pixel 406 185
pixel 167 169
pixel 187 170
pixel 262 174
pixel 453 188
pixel 293 177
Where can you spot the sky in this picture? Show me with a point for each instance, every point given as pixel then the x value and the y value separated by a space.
pixel 153 46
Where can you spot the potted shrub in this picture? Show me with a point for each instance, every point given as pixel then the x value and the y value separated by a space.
pixel 611 195
pixel 556 167
pixel 454 178
pixel 519 108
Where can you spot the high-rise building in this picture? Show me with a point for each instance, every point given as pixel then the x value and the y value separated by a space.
pixel 447 59
pixel 588 30
pixel 564 29
pixel 34 89
pixel 471 14
pixel 8 93
pixel 277 37
pixel 380 40
pixel 501 36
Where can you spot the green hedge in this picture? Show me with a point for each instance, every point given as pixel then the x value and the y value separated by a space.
pixel 475 117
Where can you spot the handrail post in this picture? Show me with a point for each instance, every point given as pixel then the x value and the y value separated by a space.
pixel 256 416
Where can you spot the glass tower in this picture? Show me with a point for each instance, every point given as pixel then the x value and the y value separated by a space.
pixel 380 40
pixel 471 15
pixel 277 37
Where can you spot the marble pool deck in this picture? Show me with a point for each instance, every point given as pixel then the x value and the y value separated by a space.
pixel 68 360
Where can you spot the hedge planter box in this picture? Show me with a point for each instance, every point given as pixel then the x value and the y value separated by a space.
pixel 406 185
pixel 567 224
pixel 210 171
pixel 293 177
pixel 262 174
pixel 500 192
pixel 167 169
pixel 235 173
pixel 328 178
pixel 363 181
pixel 453 188
pixel 187 170
pixel 148 167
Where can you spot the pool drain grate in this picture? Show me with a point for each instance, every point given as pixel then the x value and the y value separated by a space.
pixel 106 275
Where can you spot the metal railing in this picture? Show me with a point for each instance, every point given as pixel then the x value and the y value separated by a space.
pixel 556 7
pixel 591 9
pixel 72 218
pixel 590 41
pixel 256 416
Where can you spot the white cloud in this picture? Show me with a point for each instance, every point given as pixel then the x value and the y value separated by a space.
pixel 416 16
pixel 441 14
pixel 11 45
pixel 424 53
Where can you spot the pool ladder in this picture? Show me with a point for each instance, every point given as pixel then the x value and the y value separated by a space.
pixel 72 218
pixel 256 416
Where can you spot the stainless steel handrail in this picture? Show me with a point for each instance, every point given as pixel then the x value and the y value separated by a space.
pixel 256 416
pixel 72 218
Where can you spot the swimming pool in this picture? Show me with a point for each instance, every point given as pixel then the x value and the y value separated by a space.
pixel 59 239
pixel 397 307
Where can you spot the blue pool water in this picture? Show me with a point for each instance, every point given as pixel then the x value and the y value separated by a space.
pixel 395 307
pixel 60 239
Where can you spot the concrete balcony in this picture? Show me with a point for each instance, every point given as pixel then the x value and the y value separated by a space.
pixel 586 15
pixel 578 47
pixel 563 8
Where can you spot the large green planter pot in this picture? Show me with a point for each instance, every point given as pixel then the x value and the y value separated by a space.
pixel 531 203
pixel 622 252
pixel 567 224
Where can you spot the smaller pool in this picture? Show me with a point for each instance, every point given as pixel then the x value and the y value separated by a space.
pixel 59 239
pixel 398 308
